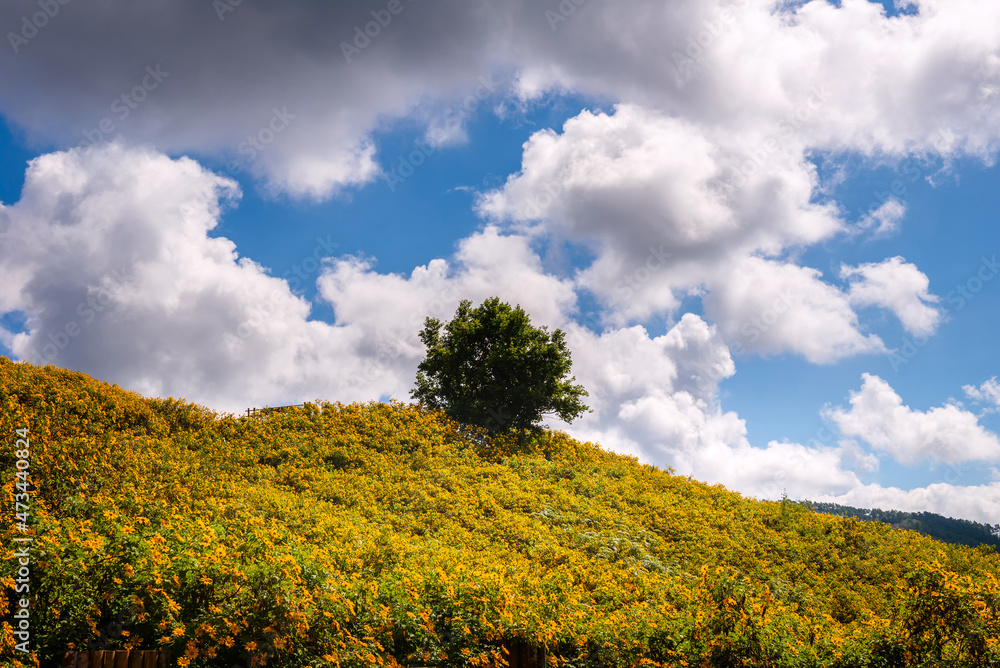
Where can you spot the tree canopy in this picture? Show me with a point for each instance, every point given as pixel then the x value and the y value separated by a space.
pixel 492 368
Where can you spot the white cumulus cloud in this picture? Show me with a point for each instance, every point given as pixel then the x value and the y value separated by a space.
pixel 899 287
pixel 770 307
pixel 946 433
pixel 987 393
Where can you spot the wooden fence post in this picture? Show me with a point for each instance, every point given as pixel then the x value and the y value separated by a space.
pixel 121 658
pixel 522 655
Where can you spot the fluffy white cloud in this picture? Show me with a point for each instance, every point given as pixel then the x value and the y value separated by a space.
pixel 388 310
pixel 669 211
pixel 895 84
pixel 637 178
pixel 783 468
pixel 112 262
pixel 115 269
pixel 770 307
pixel 980 503
pixel 708 164
pixel 654 397
pixel 705 159
pixel 926 82
pixel 945 433
pixel 898 286
pixel 883 221
pixel 987 393
pixel 282 91
pixel 657 398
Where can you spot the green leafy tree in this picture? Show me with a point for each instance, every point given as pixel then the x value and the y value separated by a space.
pixel 491 368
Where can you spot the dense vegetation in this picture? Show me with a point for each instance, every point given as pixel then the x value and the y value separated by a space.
pixel 385 535
pixel 938 527
pixel 492 368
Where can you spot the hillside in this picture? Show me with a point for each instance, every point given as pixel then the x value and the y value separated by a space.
pixel 383 535
pixel 938 527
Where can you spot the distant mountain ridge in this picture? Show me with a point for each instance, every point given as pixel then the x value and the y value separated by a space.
pixel 939 527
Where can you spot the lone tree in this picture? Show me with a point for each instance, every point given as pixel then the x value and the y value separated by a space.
pixel 491 368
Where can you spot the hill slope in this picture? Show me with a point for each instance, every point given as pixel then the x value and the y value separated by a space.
pixel 362 535
pixel 938 527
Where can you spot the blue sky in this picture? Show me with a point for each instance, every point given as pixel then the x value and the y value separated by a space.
pixel 755 221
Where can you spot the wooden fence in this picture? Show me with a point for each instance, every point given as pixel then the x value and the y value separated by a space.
pixel 270 409
pixel 523 655
pixel 121 658
pixel 520 655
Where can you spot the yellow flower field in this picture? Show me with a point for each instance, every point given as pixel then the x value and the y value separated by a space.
pixel 386 535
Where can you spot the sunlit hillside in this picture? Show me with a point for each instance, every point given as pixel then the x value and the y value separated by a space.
pixel 384 535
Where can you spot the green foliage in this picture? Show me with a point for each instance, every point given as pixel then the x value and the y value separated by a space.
pixel 946 529
pixel 491 368
pixel 387 535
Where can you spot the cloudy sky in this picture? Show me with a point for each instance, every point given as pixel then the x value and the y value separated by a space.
pixel 768 227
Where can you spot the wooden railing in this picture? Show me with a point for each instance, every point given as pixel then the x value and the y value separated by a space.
pixel 523 655
pixel 121 658
pixel 270 409
pixel 520 655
